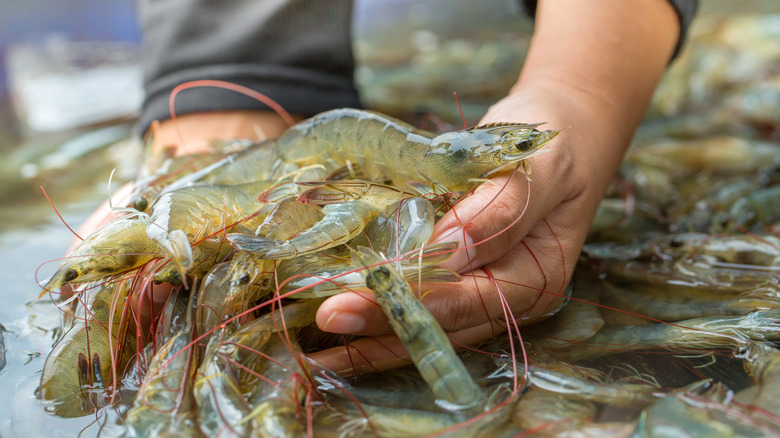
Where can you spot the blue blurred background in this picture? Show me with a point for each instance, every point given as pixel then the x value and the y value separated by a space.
pixel 83 20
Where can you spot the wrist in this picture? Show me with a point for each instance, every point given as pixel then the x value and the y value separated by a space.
pixel 197 133
pixel 593 139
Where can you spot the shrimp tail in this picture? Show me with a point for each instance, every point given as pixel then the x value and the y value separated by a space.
pixel 262 246
pixel 279 193
pixel 177 247
pixel 350 171
pixel 333 192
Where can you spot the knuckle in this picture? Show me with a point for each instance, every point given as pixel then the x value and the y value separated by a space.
pixel 459 311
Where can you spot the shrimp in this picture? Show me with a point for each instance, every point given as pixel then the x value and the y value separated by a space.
pixel 205 254
pixel 349 207
pixel 398 232
pixel 164 402
pixel 753 211
pixel 755 249
pixel 698 333
pixel 693 278
pixel 673 307
pixel 120 246
pixel 149 185
pixel 375 420
pixel 257 162
pixel 555 413
pixel 720 154
pixel 83 359
pixel 702 409
pixel 577 321
pixel 219 385
pixel 254 162
pixel 277 397
pixel 579 389
pixel 186 216
pixel 250 273
pixel 423 338
pixel 322 275
pixel 388 149
pixel 212 302
pixel 696 214
pixel 403 226
pixel 364 419
pixel 762 362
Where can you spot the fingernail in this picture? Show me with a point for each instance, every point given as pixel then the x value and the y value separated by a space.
pixel 459 261
pixel 344 322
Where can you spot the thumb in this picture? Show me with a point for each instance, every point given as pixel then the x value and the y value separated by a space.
pixel 494 219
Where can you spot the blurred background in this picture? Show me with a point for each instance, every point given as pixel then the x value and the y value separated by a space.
pixel 70 88
pixel 47 46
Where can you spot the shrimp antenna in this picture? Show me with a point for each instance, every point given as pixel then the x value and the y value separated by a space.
pixel 59 215
pixel 129 210
pixel 460 108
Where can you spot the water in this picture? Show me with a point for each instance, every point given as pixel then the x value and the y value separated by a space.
pixel 32 238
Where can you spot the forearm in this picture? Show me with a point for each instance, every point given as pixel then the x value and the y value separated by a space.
pixel 601 60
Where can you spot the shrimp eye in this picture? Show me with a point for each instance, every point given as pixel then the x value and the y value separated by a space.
pixel 71 275
pixel 675 242
pixel 244 279
pixel 141 204
pixel 524 145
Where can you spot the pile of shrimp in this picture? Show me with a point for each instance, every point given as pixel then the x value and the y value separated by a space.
pixel 252 243
pixel 670 326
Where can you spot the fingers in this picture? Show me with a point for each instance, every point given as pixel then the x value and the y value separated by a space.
pixel 352 313
pixel 527 285
pixel 471 311
pixel 529 279
pixel 385 352
pixel 498 215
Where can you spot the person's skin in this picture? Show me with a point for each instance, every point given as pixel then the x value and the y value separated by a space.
pixel 590 71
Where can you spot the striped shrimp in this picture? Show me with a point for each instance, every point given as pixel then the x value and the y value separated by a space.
pixel 384 148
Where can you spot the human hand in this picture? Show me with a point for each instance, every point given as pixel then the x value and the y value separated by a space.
pixel 590 71
pixel 524 233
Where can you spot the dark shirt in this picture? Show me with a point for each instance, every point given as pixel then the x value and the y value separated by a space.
pixel 297 52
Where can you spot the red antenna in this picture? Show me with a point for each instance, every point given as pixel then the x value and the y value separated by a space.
pixel 460 108
pixel 58 214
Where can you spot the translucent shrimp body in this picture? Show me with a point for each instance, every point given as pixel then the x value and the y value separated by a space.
pixel 248 271
pixel 83 359
pixel 349 207
pixel 388 149
pixel 164 403
pixel 423 338
pixel 120 246
pixel 184 217
pixel 219 382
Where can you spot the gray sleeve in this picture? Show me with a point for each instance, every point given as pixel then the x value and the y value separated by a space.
pixel 297 52
pixel 686 10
